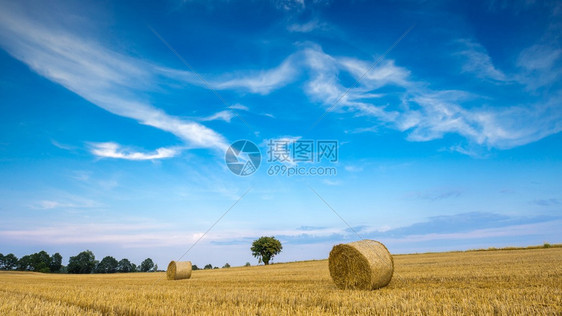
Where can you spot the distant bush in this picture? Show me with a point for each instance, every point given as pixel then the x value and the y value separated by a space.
pixel 547 245
pixel 247 264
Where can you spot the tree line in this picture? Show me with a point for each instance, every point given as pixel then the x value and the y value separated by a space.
pixel 264 248
pixel 83 263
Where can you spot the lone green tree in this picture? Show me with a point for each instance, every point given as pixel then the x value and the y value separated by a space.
pixel 265 248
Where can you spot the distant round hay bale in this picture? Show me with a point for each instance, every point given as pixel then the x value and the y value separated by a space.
pixel 179 270
pixel 362 265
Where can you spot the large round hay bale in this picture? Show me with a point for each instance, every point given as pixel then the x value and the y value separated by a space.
pixel 179 270
pixel 364 265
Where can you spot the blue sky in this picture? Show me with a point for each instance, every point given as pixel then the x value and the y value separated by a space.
pixel 116 117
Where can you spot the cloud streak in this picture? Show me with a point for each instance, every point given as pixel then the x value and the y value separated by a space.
pixel 421 112
pixel 222 115
pixel 113 150
pixel 106 78
pixel 478 61
pixel 126 235
pixel 467 226
pixel 262 82
pixel 114 82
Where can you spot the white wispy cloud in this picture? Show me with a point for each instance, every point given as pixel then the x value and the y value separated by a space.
pixel 47 204
pixel 384 73
pixel 539 66
pixel 262 82
pixel 138 233
pixel 538 57
pixel 239 106
pixel 114 150
pixel 222 115
pixel 65 201
pixel 507 231
pixel 426 114
pixel 290 5
pixel 478 61
pixel 115 81
pixel 108 79
pixel 129 235
pixel 351 168
pixel 307 27
pixel 61 146
pixel 331 182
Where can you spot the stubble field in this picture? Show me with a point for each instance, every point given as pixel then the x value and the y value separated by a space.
pixel 525 282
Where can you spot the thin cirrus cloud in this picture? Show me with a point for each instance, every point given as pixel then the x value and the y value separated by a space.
pixel 423 113
pixel 307 27
pixel 262 82
pixel 53 204
pixel 130 235
pixel 222 115
pixel 440 228
pixel 106 78
pixel 116 151
pixel 139 234
pixel 114 81
pixel 538 66
pixel 478 61
pixel 239 106
pixel 429 114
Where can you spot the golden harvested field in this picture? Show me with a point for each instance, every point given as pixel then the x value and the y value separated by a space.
pixel 524 282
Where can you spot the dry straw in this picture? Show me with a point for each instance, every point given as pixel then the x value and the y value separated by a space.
pixel 362 265
pixel 179 270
